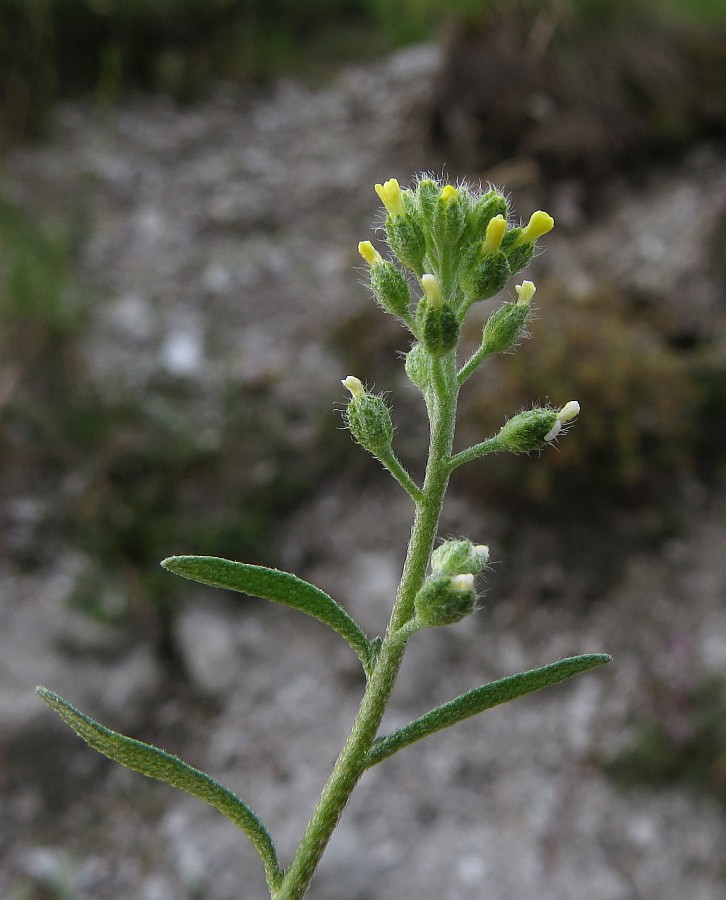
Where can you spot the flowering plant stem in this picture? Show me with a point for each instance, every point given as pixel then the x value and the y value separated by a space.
pixel 457 244
pixel 353 761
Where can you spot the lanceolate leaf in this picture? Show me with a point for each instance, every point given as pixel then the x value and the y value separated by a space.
pixel 473 702
pixel 170 769
pixel 272 584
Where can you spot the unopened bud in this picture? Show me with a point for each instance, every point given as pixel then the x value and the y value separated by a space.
pixel 354 385
pixel 487 207
pixel 457 557
pixel 568 412
pixel 525 292
pixel 390 195
pixel 528 430
pixel 449 218
pixel 539 223
pixel 407 241
pixel 445 599
pixel 368 418
pixel 440 329
pixel 432 290
pixel 487 277
pixel 427 196
pixel 369 252
pixel 505 328
pixel 390 287
pixel 494 234
pixel 417 367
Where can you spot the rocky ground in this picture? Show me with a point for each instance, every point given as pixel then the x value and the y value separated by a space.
pixel 222 251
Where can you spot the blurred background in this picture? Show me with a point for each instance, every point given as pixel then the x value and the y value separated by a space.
pixel 183 184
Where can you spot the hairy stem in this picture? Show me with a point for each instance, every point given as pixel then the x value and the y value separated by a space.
pixel 353 758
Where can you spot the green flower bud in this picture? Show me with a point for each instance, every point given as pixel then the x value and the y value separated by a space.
pixel 528 430
pixel 519 253
pixel 449 217
pixel 440 329
pixel 445 599
pixel 484 210
pixel 427 196
pixel 390 288
pixel 505 327
pixel 368 418
pixel 459 558
pixel 417 367
pixel 488 277
pixel 407 241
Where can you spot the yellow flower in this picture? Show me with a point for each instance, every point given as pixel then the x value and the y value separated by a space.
pixel 369 252
pixel 539 223
pixel 494 234
pixel 390 194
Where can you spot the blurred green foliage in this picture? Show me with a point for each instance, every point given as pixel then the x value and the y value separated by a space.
pixel 53 48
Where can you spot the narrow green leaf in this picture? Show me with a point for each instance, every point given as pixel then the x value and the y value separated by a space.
pixel 485 697
pixel 159 764
pixel 272 584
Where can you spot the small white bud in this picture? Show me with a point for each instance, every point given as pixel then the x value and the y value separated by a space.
pixel 463 582
pixel 354 385
pixel 525 291
pixel 569 411
pixel 554 431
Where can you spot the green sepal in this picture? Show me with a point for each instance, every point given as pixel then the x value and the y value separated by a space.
pixel 488 277
pixel 390 288
pixel 518 253
pixel 505 328
pixel 158 764
pixel 449 220
pixel 418 367
pixel 483 211
pixel 440 602
pixel 527 430
pixel 480 699
pixel 369 421
pixel 407 241
pixel 440 329
pixel 272 584
pixel 427 195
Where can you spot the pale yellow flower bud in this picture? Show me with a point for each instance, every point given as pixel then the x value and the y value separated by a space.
pixel 390 194
pixel 525 292
pixel 432 289
pixel 354 385
pixel 494 234
pixel 539 223
pixel 449 193
pixel 369 252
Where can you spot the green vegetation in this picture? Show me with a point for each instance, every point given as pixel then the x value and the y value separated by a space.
pixel 54 48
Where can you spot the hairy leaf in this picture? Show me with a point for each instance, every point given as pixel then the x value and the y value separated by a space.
pixel 272 584
pixel 475 701
pixel 159 764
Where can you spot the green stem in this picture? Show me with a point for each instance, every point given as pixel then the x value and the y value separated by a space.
pixel 353 758
pixel 471 365
pixel 490 445
pixel 392 463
